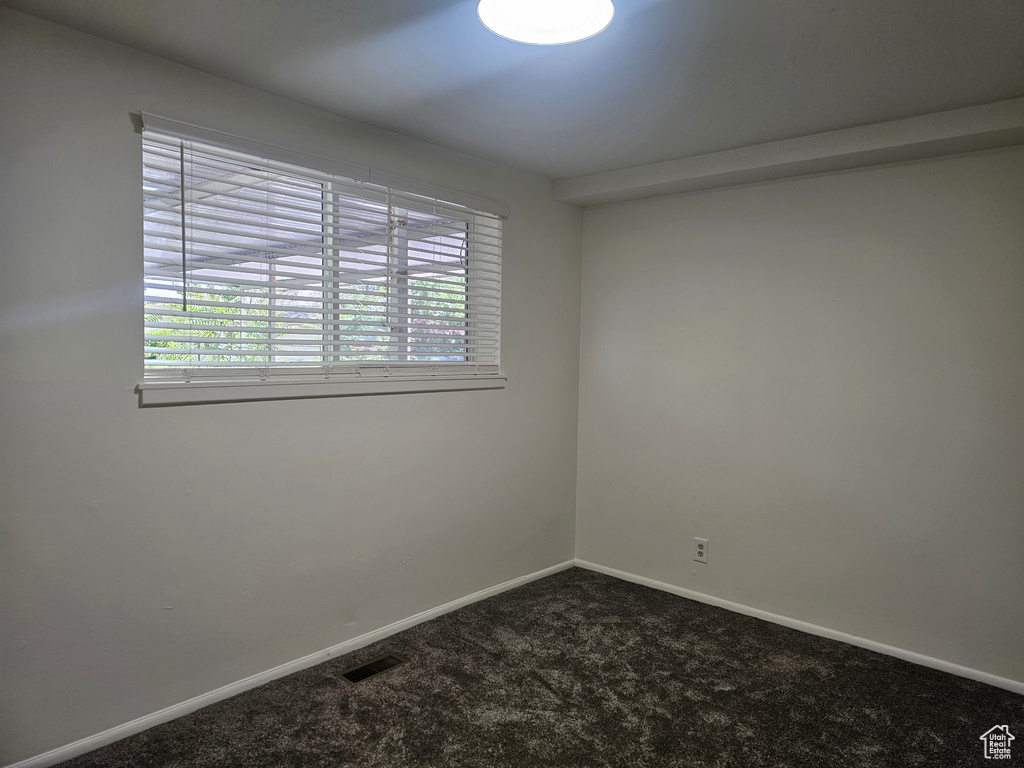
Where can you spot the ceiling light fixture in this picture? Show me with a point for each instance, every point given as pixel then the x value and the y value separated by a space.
pixel 545 22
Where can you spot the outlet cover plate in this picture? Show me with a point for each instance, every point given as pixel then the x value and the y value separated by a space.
pixel 700 550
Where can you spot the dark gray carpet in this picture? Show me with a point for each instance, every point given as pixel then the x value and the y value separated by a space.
pixel 580 669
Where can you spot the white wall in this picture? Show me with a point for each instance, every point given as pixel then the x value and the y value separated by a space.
pixel 825 377
pixel 148 556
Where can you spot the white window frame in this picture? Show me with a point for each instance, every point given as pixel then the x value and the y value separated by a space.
pixel 182 385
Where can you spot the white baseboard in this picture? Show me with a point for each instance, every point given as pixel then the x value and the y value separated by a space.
pixel 813 629
pixel 80 747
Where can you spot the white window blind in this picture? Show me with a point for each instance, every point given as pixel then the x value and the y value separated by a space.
pixel 257 269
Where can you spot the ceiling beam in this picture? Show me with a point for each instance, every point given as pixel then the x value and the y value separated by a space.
pixel 989 126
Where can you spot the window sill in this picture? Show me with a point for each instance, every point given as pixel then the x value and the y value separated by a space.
pixel 156 394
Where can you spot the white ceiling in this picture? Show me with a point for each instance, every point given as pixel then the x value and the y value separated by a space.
pixel 668 78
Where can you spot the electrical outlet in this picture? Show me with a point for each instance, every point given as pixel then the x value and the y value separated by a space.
pixel 700 550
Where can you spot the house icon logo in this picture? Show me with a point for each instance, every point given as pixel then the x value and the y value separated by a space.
pixel 997 742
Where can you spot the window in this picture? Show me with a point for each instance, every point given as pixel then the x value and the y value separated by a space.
pixel 262 271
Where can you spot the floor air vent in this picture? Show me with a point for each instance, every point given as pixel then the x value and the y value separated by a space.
pixel 371 668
